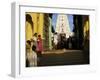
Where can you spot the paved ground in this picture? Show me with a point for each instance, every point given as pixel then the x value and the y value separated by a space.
pixel 64 57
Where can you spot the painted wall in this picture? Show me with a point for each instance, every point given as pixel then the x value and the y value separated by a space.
pixel 38 22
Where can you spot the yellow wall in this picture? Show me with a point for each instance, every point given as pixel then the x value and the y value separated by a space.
pixel 86 29
pixel 34 19
pixel 38 22
pixel 28 31
pixel 41 24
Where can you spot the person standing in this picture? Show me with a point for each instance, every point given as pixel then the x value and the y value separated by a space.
pixel 55 40
pixel 39 48
pixel 34 39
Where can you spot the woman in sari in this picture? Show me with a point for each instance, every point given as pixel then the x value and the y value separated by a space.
pixel 39 48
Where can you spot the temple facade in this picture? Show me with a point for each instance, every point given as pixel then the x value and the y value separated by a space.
pixel 62 25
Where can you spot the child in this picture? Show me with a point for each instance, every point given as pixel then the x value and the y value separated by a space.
pixel 28 46
pixel 34 56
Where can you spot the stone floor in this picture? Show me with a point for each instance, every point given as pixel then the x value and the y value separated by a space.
pixel 64 57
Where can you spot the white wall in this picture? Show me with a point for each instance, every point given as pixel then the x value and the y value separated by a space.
pixel 5 40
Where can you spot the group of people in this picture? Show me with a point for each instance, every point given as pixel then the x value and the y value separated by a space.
pixel 33 43
pixel 34 51
pixel 60 41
